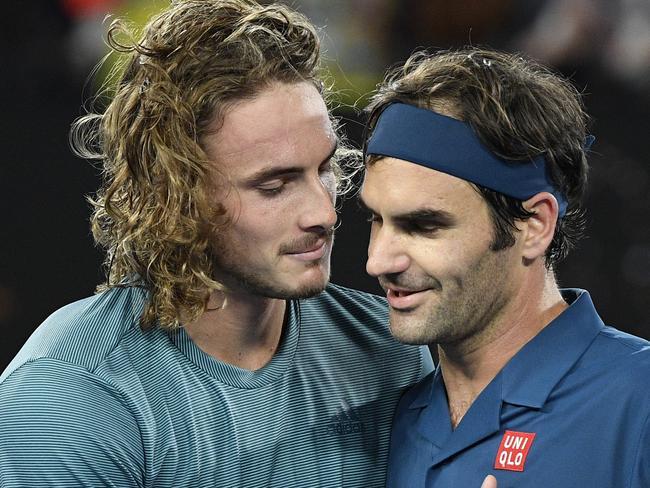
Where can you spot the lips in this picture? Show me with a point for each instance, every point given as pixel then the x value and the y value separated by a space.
pixel 311 252
pixel 402 293
pixel 315 247
pixel 401 299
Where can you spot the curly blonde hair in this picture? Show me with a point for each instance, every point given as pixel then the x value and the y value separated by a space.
pixel 155 213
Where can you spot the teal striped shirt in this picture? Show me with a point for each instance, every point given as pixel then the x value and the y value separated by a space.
pixel 92 400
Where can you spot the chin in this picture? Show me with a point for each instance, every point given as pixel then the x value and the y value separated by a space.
pixel 308 292
pixel 295 293
pixel 294 289
pixel 408 333
pixel 312 288
pixel 313 281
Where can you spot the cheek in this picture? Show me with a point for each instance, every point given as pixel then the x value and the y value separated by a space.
pixel 252 232
pixel 261 222
pixel 448 259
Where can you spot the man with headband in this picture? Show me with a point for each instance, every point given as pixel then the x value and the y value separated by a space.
pixel 475 169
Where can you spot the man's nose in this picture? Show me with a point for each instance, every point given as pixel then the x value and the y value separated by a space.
pixel 318 210
pixel 386 254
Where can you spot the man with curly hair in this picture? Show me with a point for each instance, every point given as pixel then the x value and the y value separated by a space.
pixel 215 354
pixel 476 166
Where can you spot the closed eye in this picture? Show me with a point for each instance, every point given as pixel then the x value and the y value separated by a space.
pixel 273 186
pixel 425 221
pixel 419 227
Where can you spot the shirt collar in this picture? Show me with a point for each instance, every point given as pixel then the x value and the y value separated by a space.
pixel 530 376
pixel 426 390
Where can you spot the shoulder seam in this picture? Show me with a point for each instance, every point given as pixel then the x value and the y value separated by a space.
pixel 621 340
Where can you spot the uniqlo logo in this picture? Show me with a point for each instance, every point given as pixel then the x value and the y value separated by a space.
pixel 514 450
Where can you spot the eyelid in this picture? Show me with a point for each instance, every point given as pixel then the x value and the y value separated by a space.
pixel 275 182
pixel 272 184
pixel 421 226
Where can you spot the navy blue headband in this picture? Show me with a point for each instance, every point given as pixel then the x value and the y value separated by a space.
pixel 450 146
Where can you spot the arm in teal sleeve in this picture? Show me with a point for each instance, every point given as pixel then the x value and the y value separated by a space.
pixel 62 426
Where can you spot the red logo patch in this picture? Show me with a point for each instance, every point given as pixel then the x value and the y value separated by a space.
pixel 513 450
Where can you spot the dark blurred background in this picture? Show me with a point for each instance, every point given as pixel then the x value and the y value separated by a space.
pixel 50 47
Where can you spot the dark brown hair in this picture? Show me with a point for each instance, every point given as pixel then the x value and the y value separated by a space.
pixel 519 109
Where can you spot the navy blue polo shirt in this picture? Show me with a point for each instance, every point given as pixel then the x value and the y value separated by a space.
pixel 570 409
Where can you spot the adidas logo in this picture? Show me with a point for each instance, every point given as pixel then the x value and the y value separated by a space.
pixel 345 422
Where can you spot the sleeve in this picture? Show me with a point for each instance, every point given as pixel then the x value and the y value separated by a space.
pixel 641 470
pixel 62 426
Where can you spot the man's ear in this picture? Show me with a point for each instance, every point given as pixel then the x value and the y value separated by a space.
pixel 540 228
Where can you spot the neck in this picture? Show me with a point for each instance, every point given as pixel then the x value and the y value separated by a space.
pixel 243 330
pixel 469 366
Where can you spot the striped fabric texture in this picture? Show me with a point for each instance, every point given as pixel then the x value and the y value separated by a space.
pixel 91 400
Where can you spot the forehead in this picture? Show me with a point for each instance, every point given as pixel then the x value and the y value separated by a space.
pixel 393 186
pixel 283 123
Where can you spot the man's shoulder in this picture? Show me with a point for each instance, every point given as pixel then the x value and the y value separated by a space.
pixel 355 323
pixel 627 342
pixel 84 332
pixel 606 353
pixel 620 360
pixel 623 348
pixel 337 298
pixel 346 309
pixel 53 390
pixel 360 319
pixel 64 422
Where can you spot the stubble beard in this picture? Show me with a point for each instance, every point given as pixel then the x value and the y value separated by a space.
pixel 262 283
pixel 461 310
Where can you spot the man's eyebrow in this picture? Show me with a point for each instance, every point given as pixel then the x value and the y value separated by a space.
pixel 272 172
pixel 437 216
pixel 440 217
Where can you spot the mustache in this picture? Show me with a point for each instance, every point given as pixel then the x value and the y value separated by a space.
pixel 408 282
pixel 307 242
